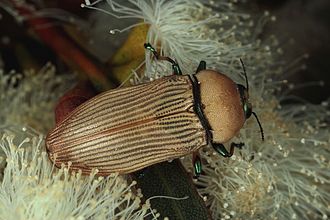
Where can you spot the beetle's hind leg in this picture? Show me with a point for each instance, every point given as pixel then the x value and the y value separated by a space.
pixel 175 65
pixel 220 149
pixel 197 163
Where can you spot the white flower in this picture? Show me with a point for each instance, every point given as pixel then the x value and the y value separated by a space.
pixel 186 31
pixel 29 99
pixel 31 188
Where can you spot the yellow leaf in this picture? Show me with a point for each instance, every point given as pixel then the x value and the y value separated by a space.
pixel 132 48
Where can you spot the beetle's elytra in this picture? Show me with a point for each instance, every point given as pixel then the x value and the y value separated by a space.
pixel 127 129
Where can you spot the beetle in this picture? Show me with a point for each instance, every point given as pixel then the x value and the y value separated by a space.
pixel 127 129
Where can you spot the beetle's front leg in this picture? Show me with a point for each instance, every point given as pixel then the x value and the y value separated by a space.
pixel 220 148
pixel 175 65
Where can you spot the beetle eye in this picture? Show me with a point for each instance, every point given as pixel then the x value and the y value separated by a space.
pixel 247 110
pixel 247 107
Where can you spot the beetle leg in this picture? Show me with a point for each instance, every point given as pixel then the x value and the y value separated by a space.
pixel 201 66
pixel 238 145
pixel 220 148
pixel 175 65
pixel 176 69
pixel 140 173
pixel 197 163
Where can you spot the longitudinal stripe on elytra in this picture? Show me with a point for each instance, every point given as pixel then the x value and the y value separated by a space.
pixel 181 126
pixel 137 143
pixel 128 98
pixel 129 159
pixel 120 133
pixel 122 105
pixel 126 156
pixel 120 109
pixel 142 111
pixel 135 160
pixel 108 110
pixel 123 134
pixel 141 162
pixel 144 87
pixel 119 94
pixel 115 120
pixel 107 125
pixel 106 169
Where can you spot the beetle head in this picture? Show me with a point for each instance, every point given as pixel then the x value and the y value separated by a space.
pixel 247 106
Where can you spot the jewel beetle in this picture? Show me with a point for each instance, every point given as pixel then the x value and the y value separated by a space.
pixel 127 129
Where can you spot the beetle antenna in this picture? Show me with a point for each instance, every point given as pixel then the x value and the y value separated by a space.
pixel 244 72
pixel 261 130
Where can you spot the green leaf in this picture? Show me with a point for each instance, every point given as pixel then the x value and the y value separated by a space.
pixel 172 180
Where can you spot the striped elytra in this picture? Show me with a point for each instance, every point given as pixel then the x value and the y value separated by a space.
pixel 127 129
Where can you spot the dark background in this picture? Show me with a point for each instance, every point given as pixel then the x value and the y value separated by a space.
pixel 308 23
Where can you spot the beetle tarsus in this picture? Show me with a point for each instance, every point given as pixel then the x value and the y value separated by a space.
pixel 220 149
pixel 238 145
pixel 175 65
pixel 140 173
pixel 176 69
pixel 197 163
pixel 201 66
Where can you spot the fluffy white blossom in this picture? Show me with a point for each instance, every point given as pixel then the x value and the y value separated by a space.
pixel 284 177
pixel 31 188
pixel 29 98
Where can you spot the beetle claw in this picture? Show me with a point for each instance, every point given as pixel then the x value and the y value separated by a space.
pixel 238 145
